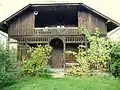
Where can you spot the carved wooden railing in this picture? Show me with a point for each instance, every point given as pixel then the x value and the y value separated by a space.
pixel 56 31
pixel 46 39
pixel 30 39
pixel 44 35
pixel 75 39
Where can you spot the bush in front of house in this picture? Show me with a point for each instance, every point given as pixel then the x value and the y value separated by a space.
pixel 115 60
pixel 37 62
pixel 94 59
pixel 8 73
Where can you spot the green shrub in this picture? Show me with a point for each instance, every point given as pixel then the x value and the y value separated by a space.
pixel 115 60
pixel 96 57
pixel 98 54
pixel 77 71
pixel 36 64
pixel 8 73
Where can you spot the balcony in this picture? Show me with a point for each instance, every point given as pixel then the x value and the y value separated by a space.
pixel 56 31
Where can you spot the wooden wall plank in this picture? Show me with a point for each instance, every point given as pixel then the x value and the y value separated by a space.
pixel 91 22
pixel 23 25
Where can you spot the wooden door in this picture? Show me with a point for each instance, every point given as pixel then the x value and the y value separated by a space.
pixel 57 58
pixel 57 53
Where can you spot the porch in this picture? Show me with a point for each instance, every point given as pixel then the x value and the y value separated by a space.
pixel 59 59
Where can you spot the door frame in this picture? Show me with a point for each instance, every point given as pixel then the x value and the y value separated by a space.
pixel 63 47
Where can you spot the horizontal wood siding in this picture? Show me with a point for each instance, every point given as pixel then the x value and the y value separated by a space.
pixel 23 25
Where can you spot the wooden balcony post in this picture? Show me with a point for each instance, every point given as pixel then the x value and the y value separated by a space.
pixel 64 48
pixel 86 44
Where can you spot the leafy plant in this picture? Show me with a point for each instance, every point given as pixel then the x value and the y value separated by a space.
pixel 96 57
pixel 98 54
pixel 36 64
pixel 115 59
pixel 8 72
pixel 70 56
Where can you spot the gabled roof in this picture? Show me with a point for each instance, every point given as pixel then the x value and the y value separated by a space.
pixel 81 4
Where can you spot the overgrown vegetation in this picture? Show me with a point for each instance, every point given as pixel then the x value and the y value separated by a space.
pixel 96 59
pixel 115 59
pixel 36 64
pixel 101 56
pixel 8 70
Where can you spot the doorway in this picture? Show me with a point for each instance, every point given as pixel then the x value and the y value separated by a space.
pixel 56 60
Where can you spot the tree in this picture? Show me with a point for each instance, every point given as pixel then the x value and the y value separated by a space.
pixel 8 72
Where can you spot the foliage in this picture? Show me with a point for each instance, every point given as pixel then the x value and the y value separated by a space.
pixel 36 64
pixel 98 54
pixel 70 56
pixel 8 73
pixel 96 57
pixel 78 71
pixel 115 59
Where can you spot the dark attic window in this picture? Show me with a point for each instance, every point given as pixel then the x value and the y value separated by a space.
pixel 4 28
pixel 111 26
pixel 54 18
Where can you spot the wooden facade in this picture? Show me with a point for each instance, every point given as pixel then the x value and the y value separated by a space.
pixel 27 26
pixel 90 21
pixel 23 25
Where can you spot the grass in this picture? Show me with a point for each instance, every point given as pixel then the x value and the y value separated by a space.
pixel 68 83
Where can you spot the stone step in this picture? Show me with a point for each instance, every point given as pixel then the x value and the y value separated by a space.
pixel 57 73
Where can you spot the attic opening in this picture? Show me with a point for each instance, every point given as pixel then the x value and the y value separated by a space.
pixel 54 16
pixel 111 26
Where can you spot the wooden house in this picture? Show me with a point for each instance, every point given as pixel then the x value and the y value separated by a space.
pixel 57 25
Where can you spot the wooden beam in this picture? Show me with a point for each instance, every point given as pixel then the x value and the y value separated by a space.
pixel 64 48
pixel 86 44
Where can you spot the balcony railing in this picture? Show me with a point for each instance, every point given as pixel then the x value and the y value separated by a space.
pixel 56 31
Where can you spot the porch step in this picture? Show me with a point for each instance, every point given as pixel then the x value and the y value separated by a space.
pixel 57 73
